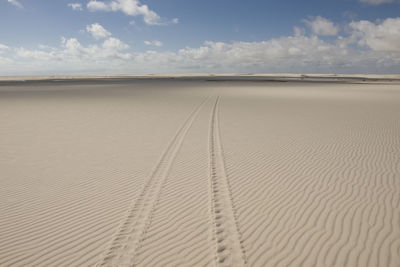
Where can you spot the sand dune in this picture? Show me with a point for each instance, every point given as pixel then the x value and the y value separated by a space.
pixel 190 172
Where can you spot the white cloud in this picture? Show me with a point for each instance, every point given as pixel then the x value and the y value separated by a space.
pixel 155 43
pixel 376 2
pixel 94 5
pixel 175 21
pixel 3 47
pixel 129 7
pixel 368 48
pixel 70 58
pixel 37 54
pixel 322 26
pixel 97 31
pixel 72 50
pixel 44 47
pixel 287 54
pixel 132 22
pixel 76 6
pixel 110 49
pixel 5 61
pixel 292 48
pixel 298 31
pixel 15 3
pixel 114 44
pixel 383 36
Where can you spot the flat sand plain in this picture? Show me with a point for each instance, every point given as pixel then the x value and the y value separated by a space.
pixel 200 172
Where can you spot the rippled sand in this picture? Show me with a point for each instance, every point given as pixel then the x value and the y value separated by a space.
pixel 264 171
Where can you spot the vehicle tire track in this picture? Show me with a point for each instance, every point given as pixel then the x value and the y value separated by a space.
pixel 229 250
pixel 124 245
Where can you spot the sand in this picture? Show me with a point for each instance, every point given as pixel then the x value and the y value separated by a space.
pixel 210 171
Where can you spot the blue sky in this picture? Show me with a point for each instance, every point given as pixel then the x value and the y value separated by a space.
pixel 169 36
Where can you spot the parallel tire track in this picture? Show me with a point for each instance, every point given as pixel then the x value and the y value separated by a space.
pixel 123 248
pixel 228 245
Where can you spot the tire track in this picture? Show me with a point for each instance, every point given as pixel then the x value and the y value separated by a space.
pixel 229 250
pixel 123 248
pixel 179 233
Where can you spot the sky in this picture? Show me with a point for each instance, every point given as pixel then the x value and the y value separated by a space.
pixel 80 37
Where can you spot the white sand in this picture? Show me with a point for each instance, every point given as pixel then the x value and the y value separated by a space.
pixel 196 173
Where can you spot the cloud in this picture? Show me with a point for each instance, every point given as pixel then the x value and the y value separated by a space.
pixel 111 49
pixel 298 31
pixel 94 5
pixel 37 54
pixel 3 47
pixel 15 3
pixel 114 44
pixel 72 50
pixel 293 50
pixel 97 31
pixel 368 47
pixel 76 6
pixel 155 43
pixel 376 2
pixel 296 54
pixel 5 61
pixel 383 36
pixel 129 7
pixel 322 26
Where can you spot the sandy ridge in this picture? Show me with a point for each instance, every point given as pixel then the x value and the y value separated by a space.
pixel 123 249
